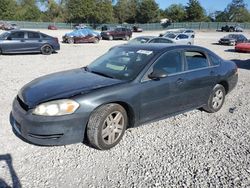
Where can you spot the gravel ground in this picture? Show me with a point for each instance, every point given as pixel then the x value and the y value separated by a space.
pixel 195 149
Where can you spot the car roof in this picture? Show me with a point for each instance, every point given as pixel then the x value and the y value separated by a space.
pixel 23 30
pixel 160 47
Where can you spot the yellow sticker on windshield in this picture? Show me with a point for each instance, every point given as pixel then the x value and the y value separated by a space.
pixel 146 52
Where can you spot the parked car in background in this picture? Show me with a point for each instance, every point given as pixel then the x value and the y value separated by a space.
pixel 117 33
pixel 141 39
pixel 52 27
pixel 8 26
pixel 84 35
pixel 80 26
pixel 137 29
pixel 24 41
pixel 238 29
pixel 1 25
pixel 233 39
pixel 126 87
pixel 227 28
pixel 242 47
pixel 180 38
pixel 161 40
pixel 177 31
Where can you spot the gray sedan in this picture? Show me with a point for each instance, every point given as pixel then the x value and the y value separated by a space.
pixel 23 41
pixel 180 38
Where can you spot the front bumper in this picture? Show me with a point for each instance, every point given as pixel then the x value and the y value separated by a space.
pixel 227 42
pixel 44 130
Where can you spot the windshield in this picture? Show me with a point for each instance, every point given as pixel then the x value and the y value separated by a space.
pixel 121 63
pixel 170 35
pixel 4 35
pixel 139 40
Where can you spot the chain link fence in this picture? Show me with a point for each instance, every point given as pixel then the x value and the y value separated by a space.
pixel 146 27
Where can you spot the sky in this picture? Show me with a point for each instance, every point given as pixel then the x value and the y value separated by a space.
pixel 209 5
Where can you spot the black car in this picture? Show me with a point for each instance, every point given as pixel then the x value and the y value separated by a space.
pixel 227 28
pixel 23 41
pixel 128 86
pixel 233 39
pixel 117 33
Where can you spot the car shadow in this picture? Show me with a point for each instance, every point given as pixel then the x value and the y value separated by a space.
pixel 242 64
pixel 215 43
pixel 23 54
pixel 230 50
pixel 15 180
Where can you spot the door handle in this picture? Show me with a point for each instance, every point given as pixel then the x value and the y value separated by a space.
pixel 180 81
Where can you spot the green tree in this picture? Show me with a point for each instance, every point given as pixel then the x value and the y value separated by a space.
pixel 121 11
pixel 176 12
pixel 103 12
pixel 80 11
pixel 237 11
pixel 28 11
pixel 7 9
pixel 195 12
pixel 148 12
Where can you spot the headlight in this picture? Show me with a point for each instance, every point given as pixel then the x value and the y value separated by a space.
pixel 56 108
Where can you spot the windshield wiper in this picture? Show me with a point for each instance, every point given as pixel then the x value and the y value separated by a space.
pixel 102 74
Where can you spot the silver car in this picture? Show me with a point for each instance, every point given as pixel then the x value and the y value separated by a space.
pixel 181 38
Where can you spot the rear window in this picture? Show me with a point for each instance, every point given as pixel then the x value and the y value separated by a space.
pixel 44 36
pixel 196 60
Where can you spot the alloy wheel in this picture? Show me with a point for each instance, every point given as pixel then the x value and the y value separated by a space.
pixel 113 127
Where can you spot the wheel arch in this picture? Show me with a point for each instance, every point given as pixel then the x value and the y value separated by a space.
pixel 128 108
pixel 225 85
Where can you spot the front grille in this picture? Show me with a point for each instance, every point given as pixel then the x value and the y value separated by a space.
pixel 22 104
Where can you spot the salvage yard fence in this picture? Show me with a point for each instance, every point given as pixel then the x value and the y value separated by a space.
pixel 146 27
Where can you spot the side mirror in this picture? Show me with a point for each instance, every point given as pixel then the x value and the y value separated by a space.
pixel 157 74
pixel 9 38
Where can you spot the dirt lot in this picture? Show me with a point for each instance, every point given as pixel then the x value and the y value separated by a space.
pixel 194 149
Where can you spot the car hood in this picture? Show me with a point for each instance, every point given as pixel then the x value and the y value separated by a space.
pixel 62 85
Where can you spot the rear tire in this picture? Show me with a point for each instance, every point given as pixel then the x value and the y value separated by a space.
pixel 216 99
pixel 46 49
pixel 96 41
pixel 106 126
pixel 111 37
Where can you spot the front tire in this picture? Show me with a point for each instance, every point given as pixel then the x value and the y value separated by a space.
pixel 70 40
pixel 216 99
pixel 46 49
pixel 106 126
pixel 126 37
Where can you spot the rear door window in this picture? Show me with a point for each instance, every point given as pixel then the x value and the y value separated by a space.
pixel 196 60
pixel 214 60
pixel 33 35
pixel 182 37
